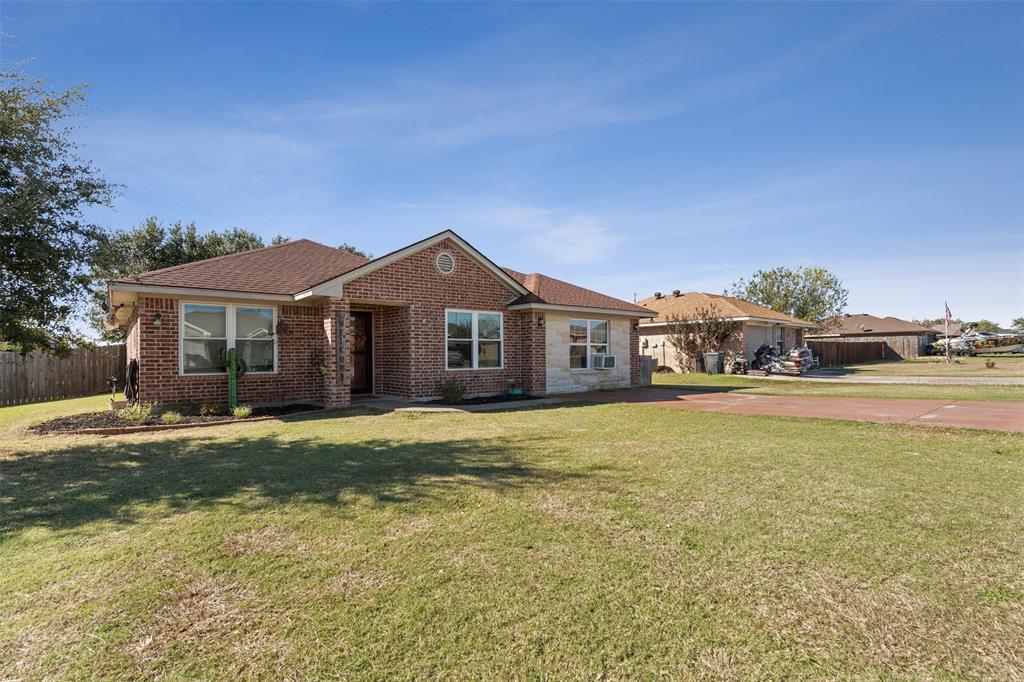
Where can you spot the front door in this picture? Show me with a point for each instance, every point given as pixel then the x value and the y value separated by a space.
pixel 362 352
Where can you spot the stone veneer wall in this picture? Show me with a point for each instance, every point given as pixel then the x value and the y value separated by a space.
pixel 561 379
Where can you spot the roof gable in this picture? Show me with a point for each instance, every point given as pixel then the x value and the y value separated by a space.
pixel 333 286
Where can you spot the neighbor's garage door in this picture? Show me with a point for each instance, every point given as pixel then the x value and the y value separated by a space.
pixel 755 336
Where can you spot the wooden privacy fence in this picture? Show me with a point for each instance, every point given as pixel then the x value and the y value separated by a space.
pixel 647 367
pixel 836 353
pixel 37 376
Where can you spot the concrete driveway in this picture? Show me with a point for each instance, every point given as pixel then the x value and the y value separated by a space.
pixel 975 414
pixel 854 378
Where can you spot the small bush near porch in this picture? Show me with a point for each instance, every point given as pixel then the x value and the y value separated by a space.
pixel 576 542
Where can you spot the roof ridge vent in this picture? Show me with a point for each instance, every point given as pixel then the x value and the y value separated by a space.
pixel 657 294
pixel 675 292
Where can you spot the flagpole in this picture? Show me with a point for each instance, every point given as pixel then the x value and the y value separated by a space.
pixel 946 318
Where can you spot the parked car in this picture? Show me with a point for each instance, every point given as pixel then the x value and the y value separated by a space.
pixel 799 360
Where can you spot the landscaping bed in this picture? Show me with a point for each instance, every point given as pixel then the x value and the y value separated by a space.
pixel 87 421
pixel 486 400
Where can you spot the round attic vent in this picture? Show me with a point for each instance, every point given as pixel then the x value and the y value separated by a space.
pixel 445 263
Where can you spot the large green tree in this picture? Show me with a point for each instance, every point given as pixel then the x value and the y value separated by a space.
pixel 46 243
pixel 986 326
pixel 810 293
pixel 1018 325
pixel 151 246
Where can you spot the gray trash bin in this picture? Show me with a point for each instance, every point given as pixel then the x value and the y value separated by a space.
pixel 698 364
pixel 713 361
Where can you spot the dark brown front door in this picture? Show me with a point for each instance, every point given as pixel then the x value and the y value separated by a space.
pixel 362 352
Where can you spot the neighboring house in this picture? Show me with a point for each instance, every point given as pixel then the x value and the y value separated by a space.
pixel 957 328
pixel 759 325
pixel 903 339
pixel 317 324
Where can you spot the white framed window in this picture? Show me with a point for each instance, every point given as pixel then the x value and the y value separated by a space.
pixel 585 338
pixel 208 330
pixel 474 340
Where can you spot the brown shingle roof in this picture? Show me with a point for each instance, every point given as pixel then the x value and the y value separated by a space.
pixel 544 289
pixel 293 267
pixel 282 269
pixel 856 325
pixel 685 306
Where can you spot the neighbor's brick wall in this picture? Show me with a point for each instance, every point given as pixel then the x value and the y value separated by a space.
pixel 421 363
pixel 666 356
pixel 794 338
pixel 297 378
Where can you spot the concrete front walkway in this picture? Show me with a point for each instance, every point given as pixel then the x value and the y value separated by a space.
pixel 976 414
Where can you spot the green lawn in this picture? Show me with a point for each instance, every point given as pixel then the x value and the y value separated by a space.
pixel 575 542
pixel 1006 366
pixel 810 387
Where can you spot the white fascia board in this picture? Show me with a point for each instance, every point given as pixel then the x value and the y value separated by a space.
pixel 408 251
pixel 331 289
pixel 575 309
pixel 190 291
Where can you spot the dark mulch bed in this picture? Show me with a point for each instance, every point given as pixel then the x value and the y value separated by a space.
pixel 485 400
pixel 107 419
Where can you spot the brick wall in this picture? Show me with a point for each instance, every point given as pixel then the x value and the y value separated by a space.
pixel 297 378
pixel 409 347
pixel 414 335
pixel 666 356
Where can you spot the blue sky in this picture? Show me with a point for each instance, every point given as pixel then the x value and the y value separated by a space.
pixel 626 147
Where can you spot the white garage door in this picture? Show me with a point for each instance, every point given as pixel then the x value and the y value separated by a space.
pixel 755 336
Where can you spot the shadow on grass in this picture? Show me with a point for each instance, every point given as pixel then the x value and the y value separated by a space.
pixel 105 481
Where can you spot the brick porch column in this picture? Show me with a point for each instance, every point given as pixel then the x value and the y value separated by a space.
pixel 536 373
pixel 338 376
pixel 634 352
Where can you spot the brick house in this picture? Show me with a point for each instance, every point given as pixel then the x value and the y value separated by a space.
pixel 759 325
pixel 317 324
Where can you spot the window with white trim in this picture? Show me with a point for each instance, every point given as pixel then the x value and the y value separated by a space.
pixel 208 331
pixel 474 339
pixel 585 338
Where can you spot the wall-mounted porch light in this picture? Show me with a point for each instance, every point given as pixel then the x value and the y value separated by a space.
pixel 156 318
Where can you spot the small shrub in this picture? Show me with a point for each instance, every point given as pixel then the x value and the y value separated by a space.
pixel 241 412
pixel 452 392
pixel 171 417
pixel 138 412
pixel 990 364
pixel 211 409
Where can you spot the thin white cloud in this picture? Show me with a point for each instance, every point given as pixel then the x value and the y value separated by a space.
pixel 667 73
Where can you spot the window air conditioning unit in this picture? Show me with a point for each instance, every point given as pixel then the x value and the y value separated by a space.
pixel 602 361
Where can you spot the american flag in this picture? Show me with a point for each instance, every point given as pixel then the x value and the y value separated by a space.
pixel 949 315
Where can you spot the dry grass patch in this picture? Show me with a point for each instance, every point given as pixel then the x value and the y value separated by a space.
pixel 262 541
pixel 355 582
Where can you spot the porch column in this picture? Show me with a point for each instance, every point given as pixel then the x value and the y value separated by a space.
pixel 338 373
pixel 535 373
